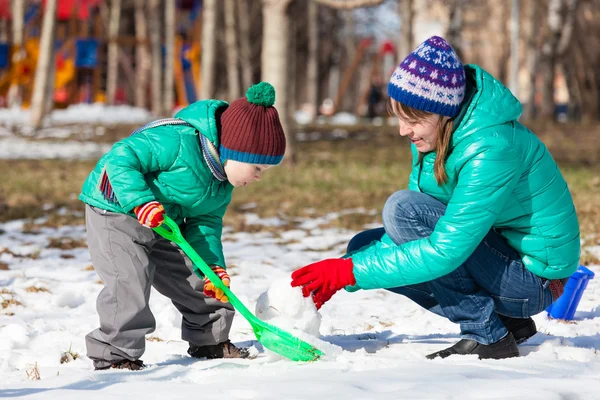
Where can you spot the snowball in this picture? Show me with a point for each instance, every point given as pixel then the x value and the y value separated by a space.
pixel 284 306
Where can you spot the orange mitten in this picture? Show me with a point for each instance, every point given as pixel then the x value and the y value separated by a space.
pixel 209 288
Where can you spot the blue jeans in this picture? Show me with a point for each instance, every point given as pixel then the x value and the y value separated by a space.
pixel 492 281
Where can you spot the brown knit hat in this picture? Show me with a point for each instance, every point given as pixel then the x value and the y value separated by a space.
pixel 250 128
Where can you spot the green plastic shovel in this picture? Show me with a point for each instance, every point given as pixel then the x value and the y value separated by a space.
pixel 271 337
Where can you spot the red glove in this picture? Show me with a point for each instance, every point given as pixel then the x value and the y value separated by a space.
pixel 324 278
pixel 151 214
pixel 209 288
pixel 321 297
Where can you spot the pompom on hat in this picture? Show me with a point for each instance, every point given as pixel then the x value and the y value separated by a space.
pixel 430 79
pixel 250 128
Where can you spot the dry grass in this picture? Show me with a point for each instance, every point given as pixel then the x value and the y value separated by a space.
pixel 66 243
pixel 154 339
pixel 68 356
pixel 8 299
pixel 33 373
pixel 34 256
pixel 3 266
pixel 329 176
pixel 36 289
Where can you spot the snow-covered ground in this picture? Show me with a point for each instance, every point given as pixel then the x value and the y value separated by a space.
pixel 385 337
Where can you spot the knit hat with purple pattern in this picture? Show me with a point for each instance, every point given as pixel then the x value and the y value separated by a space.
pixel 431 79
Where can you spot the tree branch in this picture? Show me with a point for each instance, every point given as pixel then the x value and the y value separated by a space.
pixel 349 4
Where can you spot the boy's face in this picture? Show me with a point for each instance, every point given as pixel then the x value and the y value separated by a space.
pixel 241 174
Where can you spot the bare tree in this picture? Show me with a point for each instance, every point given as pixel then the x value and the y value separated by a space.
pixel 244 36
pixel 349 4
pixel 274 62
pixel 209 30
pixel 406 28
pixel 533 52
pixel 170 27
pixel 141 54
pixel 561 17
pixel 113 51
pixel 312 81
pixel 18 11
pixel 455 26
pixel 233 82
pixel 156 56
pixel 43 64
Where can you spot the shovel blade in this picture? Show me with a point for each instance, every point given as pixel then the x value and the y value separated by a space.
pixel 284 343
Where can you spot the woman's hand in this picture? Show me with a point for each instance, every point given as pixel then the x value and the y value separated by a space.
pixel 324 278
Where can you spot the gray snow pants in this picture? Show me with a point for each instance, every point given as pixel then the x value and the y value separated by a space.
pixel 130 258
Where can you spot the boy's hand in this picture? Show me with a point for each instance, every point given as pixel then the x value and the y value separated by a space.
pixel 151 214
pixel 324 278
pixel 209 288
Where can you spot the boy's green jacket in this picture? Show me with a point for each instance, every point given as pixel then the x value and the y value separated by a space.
pixel 501 176
pixel 166 164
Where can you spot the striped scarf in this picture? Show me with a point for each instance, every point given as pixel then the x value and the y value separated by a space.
pixel 209 152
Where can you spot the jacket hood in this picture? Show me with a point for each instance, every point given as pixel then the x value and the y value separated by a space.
pixel 487 103
pixel 201 115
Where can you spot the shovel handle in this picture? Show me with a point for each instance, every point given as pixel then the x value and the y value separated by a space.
pixel 170 231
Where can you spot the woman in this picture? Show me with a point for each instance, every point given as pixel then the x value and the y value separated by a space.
pixel 486 233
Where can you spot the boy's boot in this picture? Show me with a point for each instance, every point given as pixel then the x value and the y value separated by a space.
pixel 521 328
pixel 134 365
pixel 503 348
pixel 224 349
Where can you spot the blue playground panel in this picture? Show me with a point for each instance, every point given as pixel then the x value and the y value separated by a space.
pixel 4 55
pixel 86 53
pixel 566 305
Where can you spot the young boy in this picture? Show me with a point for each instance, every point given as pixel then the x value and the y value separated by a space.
pixel 173 167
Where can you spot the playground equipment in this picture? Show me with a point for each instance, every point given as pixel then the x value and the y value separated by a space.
pixel 379 67
pixel 76 58
pixel 81 54
pixel 564 308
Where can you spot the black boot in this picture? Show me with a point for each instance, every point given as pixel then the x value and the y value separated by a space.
pixel 225 349
pixel 134 365
pixel 503 348
pixel 521 328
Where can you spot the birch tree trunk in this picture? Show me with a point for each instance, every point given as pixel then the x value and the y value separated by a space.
pixel 18 11
pixel 312 79
pixel 233 82
pixel 406 29
pixel 274 63
pixel 245 52
pixel 43 64
pixel 113 51
pixel 209 34
pixel 169 55
pixel 141 54
pixel 156 55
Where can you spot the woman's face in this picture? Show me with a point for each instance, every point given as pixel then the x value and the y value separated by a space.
pixel 423 133
pixel 242 174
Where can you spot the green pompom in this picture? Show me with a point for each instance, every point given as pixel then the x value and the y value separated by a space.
pixel 261 94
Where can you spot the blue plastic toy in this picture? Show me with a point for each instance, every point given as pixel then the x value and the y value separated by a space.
pixel 566 305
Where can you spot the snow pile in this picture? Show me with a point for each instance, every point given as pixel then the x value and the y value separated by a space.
pixel 80 113
pixel 284 306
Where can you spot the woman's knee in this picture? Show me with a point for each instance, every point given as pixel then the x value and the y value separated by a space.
pixel 362 239
pixel 399 204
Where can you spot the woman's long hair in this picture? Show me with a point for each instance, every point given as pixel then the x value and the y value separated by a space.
pixel 443 138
